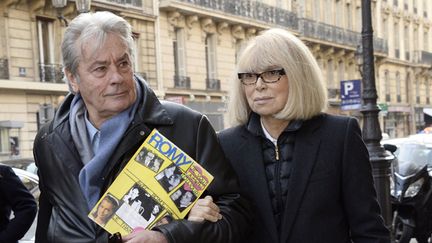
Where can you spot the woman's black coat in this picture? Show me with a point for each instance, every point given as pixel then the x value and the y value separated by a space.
pixel 331 196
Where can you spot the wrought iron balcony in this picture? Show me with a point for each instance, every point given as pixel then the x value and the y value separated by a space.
pixel 334 34
pixel 182 82
pixel 134 3
pixel 4 68
pixel 422 57
pixel 51 73
pixel 251 9
pixel 213 84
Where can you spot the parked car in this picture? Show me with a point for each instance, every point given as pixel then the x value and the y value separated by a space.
pixel 26 164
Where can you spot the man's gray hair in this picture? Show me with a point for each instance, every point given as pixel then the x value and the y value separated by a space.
pixel 94 26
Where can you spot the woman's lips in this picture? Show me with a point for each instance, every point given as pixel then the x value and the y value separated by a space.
pixel 262 100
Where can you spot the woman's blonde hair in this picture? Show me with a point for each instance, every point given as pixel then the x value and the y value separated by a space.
pixel 307 94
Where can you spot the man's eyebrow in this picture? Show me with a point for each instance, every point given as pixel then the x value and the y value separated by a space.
pixel 97 63
pixel 125 56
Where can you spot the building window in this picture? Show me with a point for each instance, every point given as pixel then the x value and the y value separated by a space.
pixel 406 43
pixel 396 39
pixel 45 114
pixel 134 3
pixel 317 11
pixel 137 48
pixel 238 48
pixel 211 62
pixel 398 87
pixel 427 91
pixel 417 91
pixel 180 74
pixel 407 90
pixel 384 29
pixel 330 74
pixel 9 138
pixel 426 41
pixel 387 86
pixel 4 141
pixel 341 71
pixel 48 70
pixel 340 14
pixel 358 19
pixel 328 13
pixel 348 15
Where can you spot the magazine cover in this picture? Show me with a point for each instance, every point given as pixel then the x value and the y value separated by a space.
pixel 160 180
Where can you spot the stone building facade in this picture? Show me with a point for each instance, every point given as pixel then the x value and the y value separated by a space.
pixel 187 52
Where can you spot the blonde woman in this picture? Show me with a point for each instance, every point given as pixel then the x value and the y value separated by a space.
pixel 307 172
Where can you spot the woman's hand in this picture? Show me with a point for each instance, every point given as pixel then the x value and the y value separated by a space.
pixel 205 209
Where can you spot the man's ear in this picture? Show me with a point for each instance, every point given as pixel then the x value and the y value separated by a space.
pixel 72 81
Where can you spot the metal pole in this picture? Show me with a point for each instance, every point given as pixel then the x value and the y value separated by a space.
pixel 379 157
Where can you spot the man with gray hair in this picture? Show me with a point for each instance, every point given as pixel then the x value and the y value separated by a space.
pixel 98 128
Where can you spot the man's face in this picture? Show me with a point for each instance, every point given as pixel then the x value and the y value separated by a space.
pixel 105 209
pixel 105 79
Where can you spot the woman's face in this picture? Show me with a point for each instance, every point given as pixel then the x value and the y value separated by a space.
pixel 267 99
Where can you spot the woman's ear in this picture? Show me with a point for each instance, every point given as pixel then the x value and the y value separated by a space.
pixel 72 81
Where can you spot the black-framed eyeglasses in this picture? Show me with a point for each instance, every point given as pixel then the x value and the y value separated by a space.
pixel 271 76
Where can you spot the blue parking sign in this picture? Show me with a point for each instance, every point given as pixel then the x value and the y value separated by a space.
pixel 350 94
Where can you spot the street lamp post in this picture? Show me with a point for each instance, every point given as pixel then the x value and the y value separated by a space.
pixel 379 157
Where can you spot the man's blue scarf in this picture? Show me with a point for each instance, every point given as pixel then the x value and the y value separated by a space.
pixel 111 133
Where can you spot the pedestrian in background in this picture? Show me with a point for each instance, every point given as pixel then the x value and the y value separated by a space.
pixel 14 197
pixel 307 172
pixel 99 127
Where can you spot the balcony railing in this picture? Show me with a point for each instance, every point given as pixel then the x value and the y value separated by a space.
pixel 422 57
pixel 4 68
pixel 182 82
pixel 51 73
pixel 334 34
pixel 251 9
pixel 134 3
pixel 213 84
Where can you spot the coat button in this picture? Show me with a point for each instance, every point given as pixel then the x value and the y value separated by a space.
pixel 142 133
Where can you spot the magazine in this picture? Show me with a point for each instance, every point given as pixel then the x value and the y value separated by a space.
pixel 159 181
